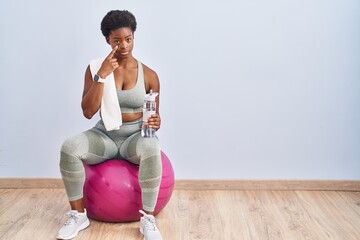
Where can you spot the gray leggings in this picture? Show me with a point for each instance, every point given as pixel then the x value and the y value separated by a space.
pixel 97 145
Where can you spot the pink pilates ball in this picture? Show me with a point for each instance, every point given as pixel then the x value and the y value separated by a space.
pixel 112 192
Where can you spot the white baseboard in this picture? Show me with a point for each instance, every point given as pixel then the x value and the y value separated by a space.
pixel 206 184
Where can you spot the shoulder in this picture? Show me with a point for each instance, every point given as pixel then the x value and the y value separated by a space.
pixel 149 73
pixel 151 79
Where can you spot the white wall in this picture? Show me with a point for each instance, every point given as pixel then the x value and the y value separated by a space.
pixel 250 89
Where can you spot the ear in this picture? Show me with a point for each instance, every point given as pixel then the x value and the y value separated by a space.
pixel 107 40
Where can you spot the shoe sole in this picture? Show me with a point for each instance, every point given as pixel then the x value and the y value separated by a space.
pixel 82 227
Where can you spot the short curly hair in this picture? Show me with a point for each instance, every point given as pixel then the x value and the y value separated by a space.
pixel 117 19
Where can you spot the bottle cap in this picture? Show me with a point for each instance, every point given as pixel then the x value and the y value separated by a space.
pixel 151 96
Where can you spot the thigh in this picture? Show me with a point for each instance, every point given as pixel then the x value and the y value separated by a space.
pixel 136 147
pixel 91 147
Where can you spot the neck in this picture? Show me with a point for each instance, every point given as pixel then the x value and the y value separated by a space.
pixel 125 62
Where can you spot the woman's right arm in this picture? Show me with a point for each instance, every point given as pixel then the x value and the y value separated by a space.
pixel 92 95
pixel 93 91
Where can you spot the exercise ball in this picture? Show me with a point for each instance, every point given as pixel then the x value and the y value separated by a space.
pixel 112 191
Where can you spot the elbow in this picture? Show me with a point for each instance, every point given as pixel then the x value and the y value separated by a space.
pixel 87 113
pixel 89 110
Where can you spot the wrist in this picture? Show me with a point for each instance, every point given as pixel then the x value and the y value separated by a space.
pixel 99 78
pixel 101 74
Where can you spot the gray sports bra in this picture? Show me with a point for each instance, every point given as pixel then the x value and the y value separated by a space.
pixel 132 100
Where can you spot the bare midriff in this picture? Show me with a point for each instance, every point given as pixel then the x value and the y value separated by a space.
pixel 128 117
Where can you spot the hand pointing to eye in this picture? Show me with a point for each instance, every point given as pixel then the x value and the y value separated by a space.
pixel 109 64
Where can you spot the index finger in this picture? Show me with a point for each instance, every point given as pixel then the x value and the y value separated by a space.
pixel 112 52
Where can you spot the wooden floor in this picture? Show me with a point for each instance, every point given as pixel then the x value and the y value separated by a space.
pixel 192 214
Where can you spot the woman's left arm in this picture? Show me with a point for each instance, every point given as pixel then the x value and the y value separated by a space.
pixel 152 83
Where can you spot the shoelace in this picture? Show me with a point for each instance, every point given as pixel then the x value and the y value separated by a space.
pixel 150 223
pixel 73 218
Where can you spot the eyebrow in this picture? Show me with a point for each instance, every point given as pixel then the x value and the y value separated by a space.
pixel 125 37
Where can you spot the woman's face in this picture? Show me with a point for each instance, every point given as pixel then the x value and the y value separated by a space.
pixel 124 39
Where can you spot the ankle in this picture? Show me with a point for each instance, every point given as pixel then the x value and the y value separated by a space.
pixel 149 213
pixel 78 205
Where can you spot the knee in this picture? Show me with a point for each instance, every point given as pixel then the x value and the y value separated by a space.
pixel 76 145
pixel 67 147
pixel 71 151
pixel 149 147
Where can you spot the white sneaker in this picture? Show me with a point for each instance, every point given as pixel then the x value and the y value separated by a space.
pixel 76 222
pixel 148 227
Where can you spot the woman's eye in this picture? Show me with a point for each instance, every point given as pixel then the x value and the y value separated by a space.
pixel 128 40
pixel 117 42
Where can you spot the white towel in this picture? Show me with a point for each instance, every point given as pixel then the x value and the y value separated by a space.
pixel 110 108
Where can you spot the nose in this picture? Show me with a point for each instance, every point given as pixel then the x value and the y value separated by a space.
pixel 123 45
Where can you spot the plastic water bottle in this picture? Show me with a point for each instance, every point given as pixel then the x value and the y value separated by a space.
pixel 149 108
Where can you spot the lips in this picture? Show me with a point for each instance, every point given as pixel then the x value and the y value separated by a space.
pixel 124 52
